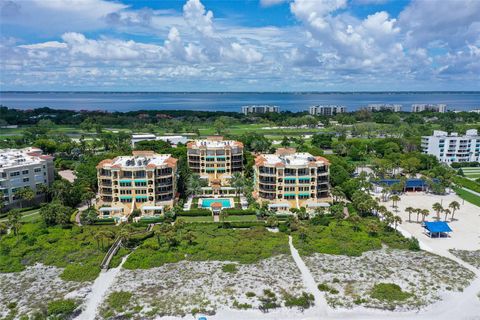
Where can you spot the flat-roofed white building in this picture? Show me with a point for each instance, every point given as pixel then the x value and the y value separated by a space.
pixel 174 140
pixel 328 110
pixel 419 107
pixel 384 107
pixel 453 148
pixel 289 179
pixel 20 168
pixel 259 109
pixel 145 180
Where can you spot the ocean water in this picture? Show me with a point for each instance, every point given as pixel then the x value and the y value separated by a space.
pixel 232 102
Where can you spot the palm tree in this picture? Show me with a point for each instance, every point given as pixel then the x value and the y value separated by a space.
pixel 395 199
pixel 25 193
pixel 418 211
pixel 189 237
pixel 409 210
pixel 337 194
pixel 396 221
pixel 454 205
pixel 355 219
pixel 437 207
pixel 447 212
pixel 425 213
pixel 238 182
pixel 13 223
pixel 194 185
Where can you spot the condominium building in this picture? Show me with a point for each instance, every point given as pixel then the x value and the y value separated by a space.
pixel 429 107
pixel 384 107
pixel 453 148
pixel 290 179
pixel 259 109
pixel 329 110
pixel 215 160
pixel 145 181
pixel 20 168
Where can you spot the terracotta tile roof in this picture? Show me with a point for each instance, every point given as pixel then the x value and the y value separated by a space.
pixel 216 205
pixel 323 159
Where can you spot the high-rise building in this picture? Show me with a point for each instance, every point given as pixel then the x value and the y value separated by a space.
pixel 290 179
pixel 384 107
pixel 429 107
pixel 215 160
pixel 20 168
pixel 259 109
pixel 146 181
pixel 453 148
pixel 329 110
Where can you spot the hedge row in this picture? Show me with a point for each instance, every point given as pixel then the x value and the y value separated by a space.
pixel 232 224
pixel 466 183
pixel 195 213
pixel 239 212
pixel 457 165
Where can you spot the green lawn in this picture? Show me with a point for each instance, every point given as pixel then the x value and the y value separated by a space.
pixel 27 216
pixel 251 217
pixel 212 242
pixel 471 172
pixel 468 196
pixel 197 219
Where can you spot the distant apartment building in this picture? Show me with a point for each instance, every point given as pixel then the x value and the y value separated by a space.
pixel 290 179
pixel 20 168
pixel 429 107
pixel 384 107
pixel 174 140
pixel 329 110
pixel 146 181
pixel 215 160
pixel 453 148
pixel 260 109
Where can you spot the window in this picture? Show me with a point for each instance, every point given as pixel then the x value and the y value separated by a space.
pixel 26 179
pixel 36 170
pixel 14 174
pixel 25 172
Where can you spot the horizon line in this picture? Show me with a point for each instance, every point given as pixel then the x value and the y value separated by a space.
pixel 249 92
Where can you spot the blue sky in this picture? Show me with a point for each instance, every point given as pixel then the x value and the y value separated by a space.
pixel 253 45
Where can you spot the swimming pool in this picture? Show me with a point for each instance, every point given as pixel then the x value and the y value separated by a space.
pixel 207 202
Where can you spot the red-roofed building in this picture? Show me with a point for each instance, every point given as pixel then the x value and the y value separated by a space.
pixel 145 180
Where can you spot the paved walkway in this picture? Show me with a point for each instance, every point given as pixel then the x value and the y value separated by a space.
pixel 321 306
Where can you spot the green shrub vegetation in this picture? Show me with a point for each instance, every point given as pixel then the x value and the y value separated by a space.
pixel 211 242
pixel 347 238
pixel 389 292
pixel 303 301
pixel 231 268
pixel 61 309
pixel 326 288
pixel 79 250
pixel 116 302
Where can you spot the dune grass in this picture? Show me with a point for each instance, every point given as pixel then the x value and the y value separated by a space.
pixel 212 242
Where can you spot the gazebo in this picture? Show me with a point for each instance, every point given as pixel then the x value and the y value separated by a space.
pixel 216 208
pixel 437 229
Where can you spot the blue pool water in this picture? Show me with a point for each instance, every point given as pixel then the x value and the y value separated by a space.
pixel 206 203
